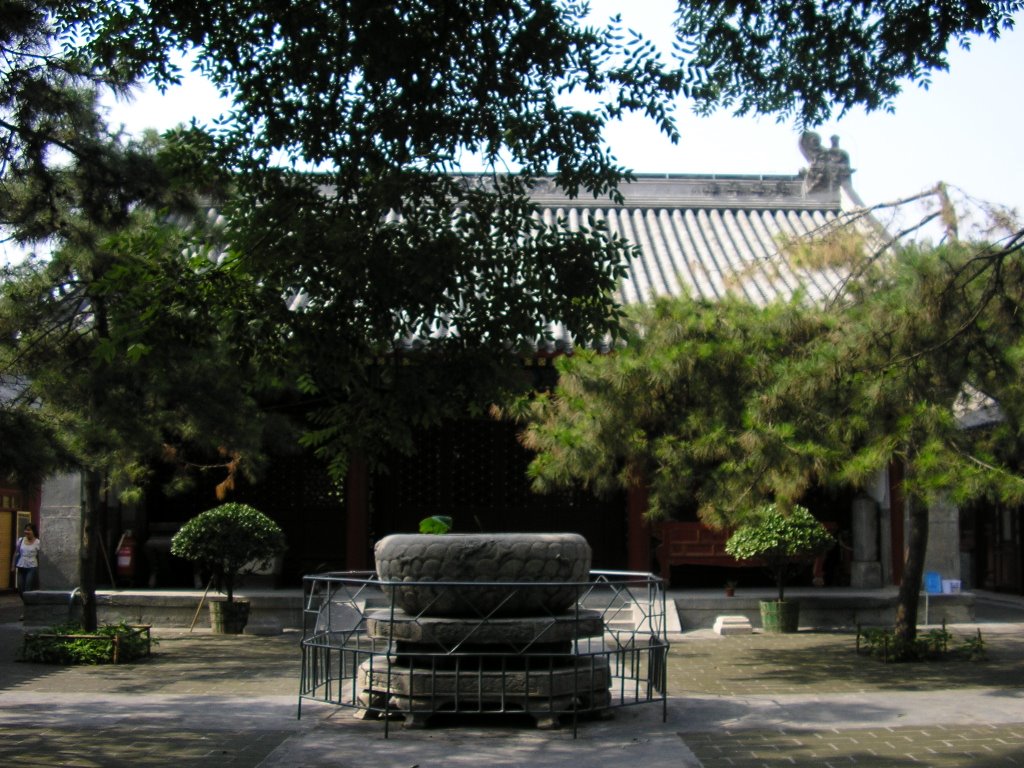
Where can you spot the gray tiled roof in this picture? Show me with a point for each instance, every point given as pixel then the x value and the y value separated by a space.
pixel 708 236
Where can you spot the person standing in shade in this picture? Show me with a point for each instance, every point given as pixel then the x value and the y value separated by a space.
pixel 26 560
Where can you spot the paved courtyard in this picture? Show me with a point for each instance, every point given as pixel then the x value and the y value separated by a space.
pixel 741 701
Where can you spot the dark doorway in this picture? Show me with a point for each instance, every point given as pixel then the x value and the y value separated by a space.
pixel 475 472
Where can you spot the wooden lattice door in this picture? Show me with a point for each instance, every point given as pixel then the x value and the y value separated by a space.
pixel 475 472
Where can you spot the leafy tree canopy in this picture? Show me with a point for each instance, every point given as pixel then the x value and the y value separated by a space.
pixel 386 100
pixel 388 247
pixel 926 372
pixel 780 540
pixel 724 407
pixel 669 409
pixel 118 337
pixel 120 348
pixel 807 58
pixel 721 407
pixel 229 541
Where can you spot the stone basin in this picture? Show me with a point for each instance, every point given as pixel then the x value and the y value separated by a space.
pixel 536 571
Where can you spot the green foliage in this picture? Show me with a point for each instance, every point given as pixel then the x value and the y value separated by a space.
pixel 228 541
pixel 973 648
pixel 384 101
pixel 437 525
pixel 48 114
pixel 70 644
pixel 889 645
pixel 780 539
pixel 810 58
pixel 673 409
pixel 720 408
pixel 922 353
pixel 140 330
pixel 774 534
pixel 120 365
pixel 123 341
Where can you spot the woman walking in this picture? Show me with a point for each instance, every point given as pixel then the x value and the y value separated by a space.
pixel 26 560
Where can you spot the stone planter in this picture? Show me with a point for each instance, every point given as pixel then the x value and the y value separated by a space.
pixel 536 571
pixel 780 616
pixel 228 618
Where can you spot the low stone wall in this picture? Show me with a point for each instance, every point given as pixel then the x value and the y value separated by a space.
pixel 825 610
pixel 159 608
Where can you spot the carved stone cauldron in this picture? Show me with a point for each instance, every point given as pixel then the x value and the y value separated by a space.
pixel 552 561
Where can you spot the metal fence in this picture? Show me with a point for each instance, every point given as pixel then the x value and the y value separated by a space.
pixel 607 651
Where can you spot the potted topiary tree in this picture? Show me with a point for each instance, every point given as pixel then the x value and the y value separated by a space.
pixel 228 541
pixel 782 542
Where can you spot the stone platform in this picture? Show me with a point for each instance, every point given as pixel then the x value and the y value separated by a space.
pixel 508 635
pixel 551 687
pixel 162 608
pixel 820 607
pixel 732 625
pixel 527 664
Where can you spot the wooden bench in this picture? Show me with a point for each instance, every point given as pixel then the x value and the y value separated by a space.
pixel 693 543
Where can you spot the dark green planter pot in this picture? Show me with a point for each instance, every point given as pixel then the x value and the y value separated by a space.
pixel 228 618
pixel 780 617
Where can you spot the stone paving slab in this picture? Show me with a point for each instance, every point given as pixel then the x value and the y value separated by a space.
pixel 979 706
pixel 938 746
pixel 182 663
pixel 148 747
pixel 812 662
pixel 751 700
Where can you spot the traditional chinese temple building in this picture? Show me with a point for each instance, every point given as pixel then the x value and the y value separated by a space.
pixel 702 235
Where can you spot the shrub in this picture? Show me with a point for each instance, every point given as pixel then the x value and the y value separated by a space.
pixel 69 644
pixel 780 540
pixel 228 541
pixel 436 525
pixel 933 645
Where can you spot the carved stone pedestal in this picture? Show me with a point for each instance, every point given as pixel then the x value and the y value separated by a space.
pixel 482 574
pixel 542 689
pixel 484 623
pixel 530 664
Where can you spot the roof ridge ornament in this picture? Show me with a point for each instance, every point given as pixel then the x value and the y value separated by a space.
pixel 829 168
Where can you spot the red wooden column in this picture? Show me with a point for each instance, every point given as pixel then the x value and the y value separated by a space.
pixel 638 532
pixel 357 517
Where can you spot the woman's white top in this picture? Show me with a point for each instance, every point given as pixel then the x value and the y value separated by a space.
pixel 28 553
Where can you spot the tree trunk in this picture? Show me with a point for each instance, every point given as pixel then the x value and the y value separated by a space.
pixel 913 574
pixel 87 551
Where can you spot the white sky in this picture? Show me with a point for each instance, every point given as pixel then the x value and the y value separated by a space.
pixel 964 130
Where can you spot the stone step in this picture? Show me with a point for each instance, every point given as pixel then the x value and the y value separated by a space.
pixel 733 625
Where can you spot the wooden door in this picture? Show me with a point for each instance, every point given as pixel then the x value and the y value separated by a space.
pixel 1005 550
pixel 6 548
pixel 475 472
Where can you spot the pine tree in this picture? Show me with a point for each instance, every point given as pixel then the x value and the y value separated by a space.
pixel 119 346
pixel 721 408
pixel 391 247
pixel 670 409
pixel 925 333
